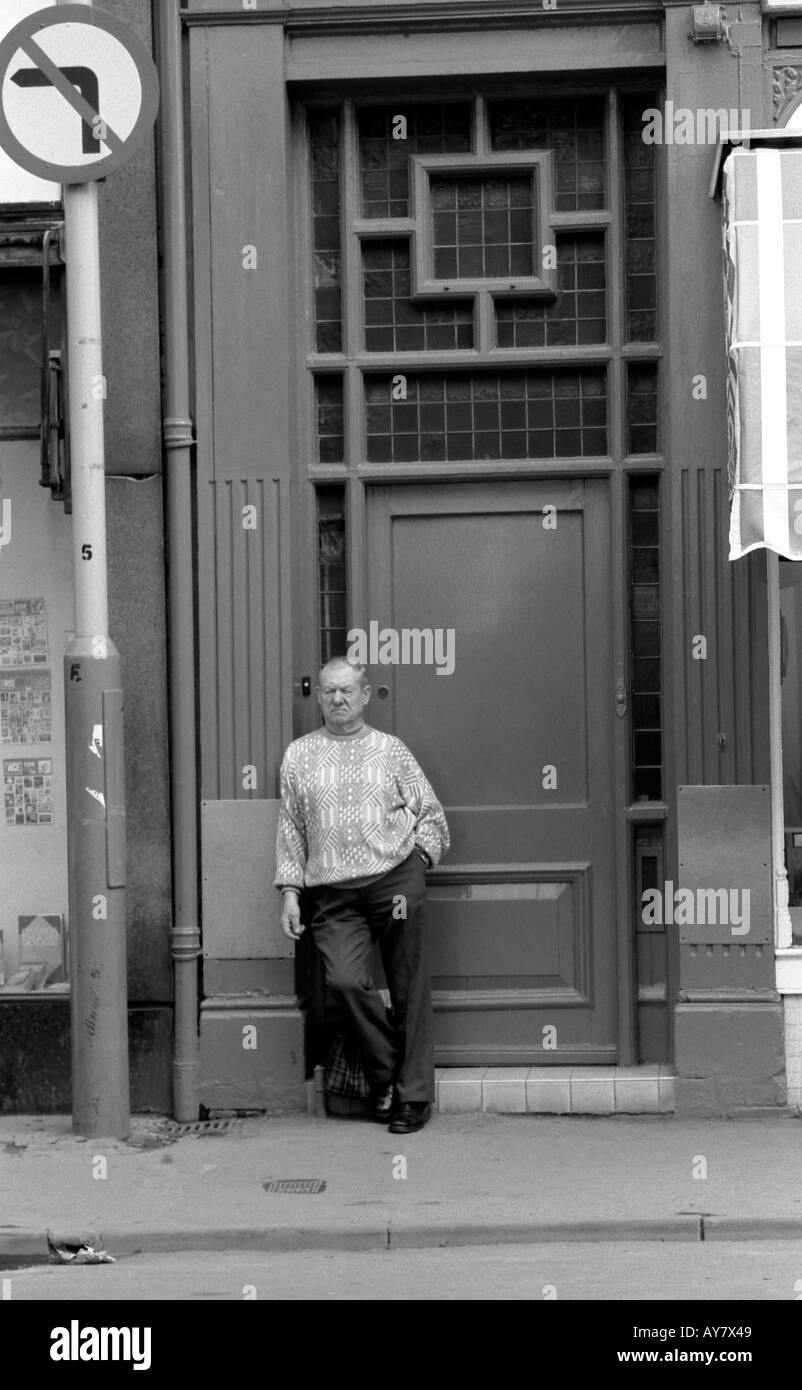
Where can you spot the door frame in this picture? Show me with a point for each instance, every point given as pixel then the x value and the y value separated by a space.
pixel 356 479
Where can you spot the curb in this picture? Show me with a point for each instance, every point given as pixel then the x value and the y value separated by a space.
pixel 757 1228
pixel 543 1233
pixel 32 1245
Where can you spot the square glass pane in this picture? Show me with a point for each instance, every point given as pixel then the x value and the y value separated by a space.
pixel 571 318
pixel 389 134
pixel 573 130
pixel 492 229
pixel 393 322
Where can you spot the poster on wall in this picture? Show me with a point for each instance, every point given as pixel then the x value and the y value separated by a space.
pixel 42 941
pixel 23 632
pixel 28 791
pixel 25 707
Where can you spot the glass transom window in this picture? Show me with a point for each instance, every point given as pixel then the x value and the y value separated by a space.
pixel 482 283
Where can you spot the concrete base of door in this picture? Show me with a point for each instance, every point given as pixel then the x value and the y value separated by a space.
pixel 729 1055
pixel 252 1054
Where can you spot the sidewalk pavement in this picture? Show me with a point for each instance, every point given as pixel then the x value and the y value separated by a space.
pixel 464 1179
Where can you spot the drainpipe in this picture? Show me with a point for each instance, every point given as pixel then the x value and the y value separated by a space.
pixel 782 917
pixel 178 441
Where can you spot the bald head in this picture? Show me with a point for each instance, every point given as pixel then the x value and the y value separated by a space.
pixel 334 668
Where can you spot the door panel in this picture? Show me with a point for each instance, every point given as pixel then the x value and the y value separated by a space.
pixel 517 743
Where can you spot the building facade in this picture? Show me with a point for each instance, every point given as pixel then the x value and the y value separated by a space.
pixel 450 298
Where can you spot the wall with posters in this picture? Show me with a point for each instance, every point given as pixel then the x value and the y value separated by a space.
pixel 36 613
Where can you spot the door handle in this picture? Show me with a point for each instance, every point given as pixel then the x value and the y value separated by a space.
pixel 620 698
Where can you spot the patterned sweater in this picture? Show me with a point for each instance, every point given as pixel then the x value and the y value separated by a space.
pixel 353 806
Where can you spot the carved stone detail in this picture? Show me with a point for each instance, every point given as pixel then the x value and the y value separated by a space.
pixel 786 82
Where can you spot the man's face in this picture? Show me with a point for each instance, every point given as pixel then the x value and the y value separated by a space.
pixel 342 698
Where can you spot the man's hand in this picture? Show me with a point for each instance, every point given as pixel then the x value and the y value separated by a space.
pixel 291 923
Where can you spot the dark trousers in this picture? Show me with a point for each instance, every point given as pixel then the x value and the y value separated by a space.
pixel 345 924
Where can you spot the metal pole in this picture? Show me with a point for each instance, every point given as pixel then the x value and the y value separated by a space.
pixel 782 917
pixel 178 442
pixel 93 705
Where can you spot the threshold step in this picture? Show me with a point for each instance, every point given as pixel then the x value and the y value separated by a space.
pixel 646 1090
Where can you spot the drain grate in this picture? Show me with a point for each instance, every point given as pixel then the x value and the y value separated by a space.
pixel 299 1187
pixel 205 1127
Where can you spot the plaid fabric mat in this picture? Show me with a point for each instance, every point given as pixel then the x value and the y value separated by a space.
pixel 344 1073
pixel 343 1066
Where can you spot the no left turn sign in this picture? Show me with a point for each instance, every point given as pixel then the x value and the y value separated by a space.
pixel 78 93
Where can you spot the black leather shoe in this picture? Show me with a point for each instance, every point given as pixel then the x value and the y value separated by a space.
pixel 410 1115
pixel 382 1103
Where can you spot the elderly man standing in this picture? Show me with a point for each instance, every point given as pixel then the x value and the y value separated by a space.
pixel 359 825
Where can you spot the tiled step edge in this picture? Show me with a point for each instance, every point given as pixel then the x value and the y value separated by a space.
pixel 647 1090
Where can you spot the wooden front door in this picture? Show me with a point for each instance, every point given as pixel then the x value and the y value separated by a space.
pixel 517 742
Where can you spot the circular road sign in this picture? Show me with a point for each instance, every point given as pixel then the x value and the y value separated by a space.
pixel 78 93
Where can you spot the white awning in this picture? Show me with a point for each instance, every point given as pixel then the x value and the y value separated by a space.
pixel 762 205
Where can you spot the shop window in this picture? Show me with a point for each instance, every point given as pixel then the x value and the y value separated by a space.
pixel 791 677
pixel 21 348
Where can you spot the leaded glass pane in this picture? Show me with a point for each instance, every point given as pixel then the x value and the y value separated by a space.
pixel 642 408
pixel 482 226
pixel 393 323
pixel 331 572
pixel 388 135
pixel 640 205
pixel 533 414
pixel 330 418
pixel 645 663
pixel 579 313
pixel 574 130
pixel 324 140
